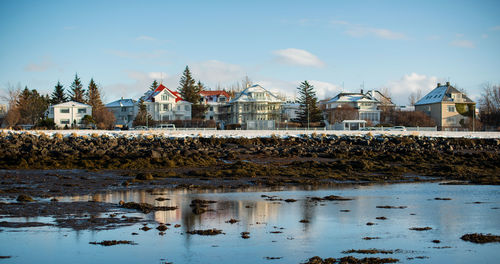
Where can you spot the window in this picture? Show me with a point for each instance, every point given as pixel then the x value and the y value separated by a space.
pixel 186 107
pixel 211 108
pixel 82 110
pixel 451 108
pixel 124 109
pixel 64 110
pixel 164 97
pixel 65 121
pixel 166 107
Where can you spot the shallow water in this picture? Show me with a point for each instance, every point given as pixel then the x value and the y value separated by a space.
pixel 329 231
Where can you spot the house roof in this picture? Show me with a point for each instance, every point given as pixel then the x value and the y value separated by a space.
pixel 149 95
pixel 71 104
pixel 214 93
pixel 351 98
pixel 122 103
pixel 442 93
pixel 246 95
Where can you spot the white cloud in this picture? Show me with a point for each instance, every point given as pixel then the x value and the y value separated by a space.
pixel 360 31
pixel 365 31
pixel 463 43
pixel 411 83
pixel 325 90
pixel 298 57
pixel 214 72
pixel 155 54
pixel 146 38
pixel 45 64
pixel 495 28
pixel 459 35
pixel 484 36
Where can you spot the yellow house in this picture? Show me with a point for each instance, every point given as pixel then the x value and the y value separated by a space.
pixel 448 107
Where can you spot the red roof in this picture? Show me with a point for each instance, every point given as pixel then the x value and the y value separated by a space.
pixel 212 93
pixel 161 87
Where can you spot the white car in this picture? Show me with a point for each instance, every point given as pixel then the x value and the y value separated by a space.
pixel 398 128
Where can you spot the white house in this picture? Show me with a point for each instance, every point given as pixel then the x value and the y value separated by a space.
pixel 69 113
pixel 125 111
pixel 164 104
pixel 366 106
pixel 215 101
pixel 254 107
pixel 290 111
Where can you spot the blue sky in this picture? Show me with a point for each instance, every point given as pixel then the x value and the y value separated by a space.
pixel 402 46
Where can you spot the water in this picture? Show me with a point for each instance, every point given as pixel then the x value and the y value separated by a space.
pixel 329 232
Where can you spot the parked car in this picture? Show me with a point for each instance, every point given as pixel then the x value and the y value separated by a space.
pixel 398 128
pixel 140 128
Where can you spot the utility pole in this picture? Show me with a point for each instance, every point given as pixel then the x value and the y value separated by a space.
pixel 307 115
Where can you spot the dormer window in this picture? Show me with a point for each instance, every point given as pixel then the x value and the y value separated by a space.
pixel 164 97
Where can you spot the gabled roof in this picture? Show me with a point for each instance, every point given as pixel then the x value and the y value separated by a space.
pixel 122 103
pixel 149 95
pixel 214 93
pixel 71 104
pixel 246 95
pixel 351 98
pixel 442 93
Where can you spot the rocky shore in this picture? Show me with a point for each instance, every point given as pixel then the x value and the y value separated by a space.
pixel 28 160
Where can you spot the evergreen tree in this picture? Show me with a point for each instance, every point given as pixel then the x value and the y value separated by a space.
pixel 153 86
pixel 77 93
pixel 94 96
pixel 191 93
pixel 102 117
pixel 31 106
pixel 58 96
pixel 142 116
pixel 308 109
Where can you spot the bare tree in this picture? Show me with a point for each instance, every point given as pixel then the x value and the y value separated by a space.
pixel 490 105
pixel 343 112
pixel 11 97
pixel 414 97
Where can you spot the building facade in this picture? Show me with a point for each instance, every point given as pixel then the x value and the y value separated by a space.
pixel 125 111
pixel 352 106
pixel 255 106
pixel 166 105
pixel 216 102
pixel 444 104
pixel 69 114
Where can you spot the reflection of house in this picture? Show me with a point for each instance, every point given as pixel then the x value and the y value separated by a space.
pixel 255 106
pixel 363 106
pixel 443 105
pixel 69 113
pixel 164 104
pixel 215 102
pixel 124 110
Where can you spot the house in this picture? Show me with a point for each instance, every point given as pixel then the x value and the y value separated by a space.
pixel 290 111
pixel 215 102
pixel 164 104
pixel 124 110
pixel 69 114
pixel 255 108
pixel 352 106
pixel 447 106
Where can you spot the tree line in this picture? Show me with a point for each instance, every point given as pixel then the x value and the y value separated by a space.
pixel 28 107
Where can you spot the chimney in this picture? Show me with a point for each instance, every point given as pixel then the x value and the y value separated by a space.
pixel 361 90
pixel 439 84
pixel 447 83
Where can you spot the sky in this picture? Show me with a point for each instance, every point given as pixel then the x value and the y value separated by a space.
pixel 399 46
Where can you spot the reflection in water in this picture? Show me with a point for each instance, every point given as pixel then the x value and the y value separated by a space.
pixel 331 229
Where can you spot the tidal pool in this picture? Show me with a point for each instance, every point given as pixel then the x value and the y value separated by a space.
pixel 275 227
